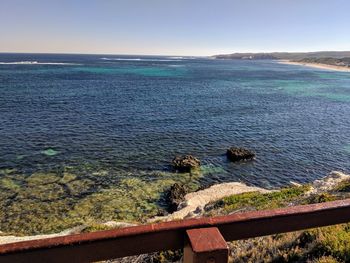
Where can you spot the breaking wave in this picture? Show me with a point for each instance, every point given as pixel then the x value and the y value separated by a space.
pixel 139 59
pixel 178 57
pixel 35 63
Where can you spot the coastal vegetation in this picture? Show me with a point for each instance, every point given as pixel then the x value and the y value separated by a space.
pixel 326 244
pixel 340 62
pixel 343 186
pixel 258 201
pixel 320 245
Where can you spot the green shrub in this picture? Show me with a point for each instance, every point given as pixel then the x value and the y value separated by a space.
pixel 259 201
pixel 343 186
pixel 96 227
pixel 332 241
pixel 321 198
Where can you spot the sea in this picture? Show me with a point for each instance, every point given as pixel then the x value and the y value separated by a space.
pixel 90 138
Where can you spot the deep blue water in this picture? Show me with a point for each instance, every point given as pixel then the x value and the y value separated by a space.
pixel 130 115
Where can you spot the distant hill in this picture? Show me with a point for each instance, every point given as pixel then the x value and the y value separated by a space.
pixel 342 62
pixel 286 55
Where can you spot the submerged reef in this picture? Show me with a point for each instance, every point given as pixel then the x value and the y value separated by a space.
pixel 48 202
pixel 49 152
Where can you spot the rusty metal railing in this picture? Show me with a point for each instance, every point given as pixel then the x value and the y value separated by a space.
pixel 203 239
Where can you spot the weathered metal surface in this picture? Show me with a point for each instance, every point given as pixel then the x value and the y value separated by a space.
pixel 205 245
pixel 170 235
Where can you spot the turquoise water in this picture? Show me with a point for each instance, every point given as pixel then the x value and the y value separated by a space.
pixel 91 139
pixel 142 71
pixel 347 148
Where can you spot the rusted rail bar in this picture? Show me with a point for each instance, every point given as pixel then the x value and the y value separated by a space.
pixel 136 240
pixel 205 245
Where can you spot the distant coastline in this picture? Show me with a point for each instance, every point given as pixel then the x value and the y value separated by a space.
pixel 328 60
pixel 315 65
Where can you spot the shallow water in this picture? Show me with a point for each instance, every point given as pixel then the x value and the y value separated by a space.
pixel 92 139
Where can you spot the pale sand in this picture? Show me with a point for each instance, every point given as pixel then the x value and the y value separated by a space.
pixel 4 239
pixel 13 239
pixel 195 202
pixel 315 65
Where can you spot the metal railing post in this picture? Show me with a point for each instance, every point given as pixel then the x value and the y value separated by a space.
pixel 205 245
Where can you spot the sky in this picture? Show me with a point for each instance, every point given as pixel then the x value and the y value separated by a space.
pixel 173 27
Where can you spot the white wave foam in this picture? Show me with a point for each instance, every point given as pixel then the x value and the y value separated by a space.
pixel 35 63
pixel 182 57
pixel 177 57
pixel 176 66
pixel 139 59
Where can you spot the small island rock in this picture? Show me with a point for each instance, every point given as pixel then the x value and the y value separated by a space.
pixel 236 154
pixel 185 163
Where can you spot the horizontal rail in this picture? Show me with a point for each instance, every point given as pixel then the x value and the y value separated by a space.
pixel 109 244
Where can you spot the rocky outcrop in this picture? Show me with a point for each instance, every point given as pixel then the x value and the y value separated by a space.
pixel 185 163
pixel 194 203
pixel 175 196
pixel 236 154
pixel 328 183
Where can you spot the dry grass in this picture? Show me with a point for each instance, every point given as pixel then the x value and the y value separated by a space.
pixel 327 244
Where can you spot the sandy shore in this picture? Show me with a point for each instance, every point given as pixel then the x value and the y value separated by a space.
pixel 315 65
pixel 195 202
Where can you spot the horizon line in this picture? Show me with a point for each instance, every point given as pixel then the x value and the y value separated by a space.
pixel 121 54
pixel 108 54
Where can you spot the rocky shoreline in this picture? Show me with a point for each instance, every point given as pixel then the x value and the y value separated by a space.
pixel 193 204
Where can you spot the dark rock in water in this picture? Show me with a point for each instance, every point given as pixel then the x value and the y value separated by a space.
pixel 175 196
pixel 185 163
pixel 236 154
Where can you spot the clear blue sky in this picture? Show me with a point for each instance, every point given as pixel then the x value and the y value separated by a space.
pixel 173 27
